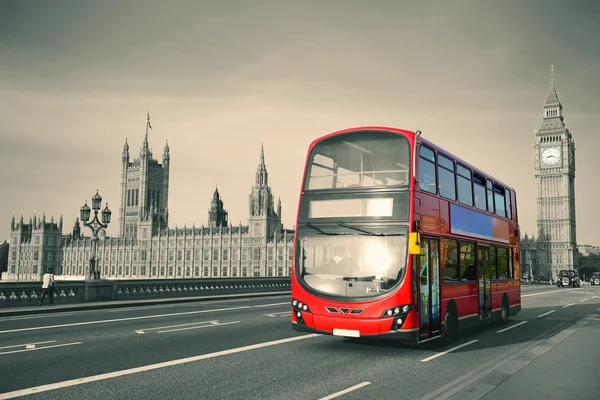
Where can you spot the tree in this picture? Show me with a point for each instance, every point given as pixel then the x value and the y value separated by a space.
pixel 3 257
pixel 587 264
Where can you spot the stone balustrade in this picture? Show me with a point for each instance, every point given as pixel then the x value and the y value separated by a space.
pixel 16 294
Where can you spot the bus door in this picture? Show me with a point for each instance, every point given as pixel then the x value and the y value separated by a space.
pixel 429 288
pixel 485 283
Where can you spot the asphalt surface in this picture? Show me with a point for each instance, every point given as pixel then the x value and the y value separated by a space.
pixel 246 349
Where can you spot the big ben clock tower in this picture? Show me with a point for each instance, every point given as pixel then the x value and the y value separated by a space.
pixel 554 150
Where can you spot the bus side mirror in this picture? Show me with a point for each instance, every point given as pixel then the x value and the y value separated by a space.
pixel 414 246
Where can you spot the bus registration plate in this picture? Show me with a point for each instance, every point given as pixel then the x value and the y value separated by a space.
pixel 346 333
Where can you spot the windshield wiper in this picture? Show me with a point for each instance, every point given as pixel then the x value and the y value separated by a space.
pixel 358 229
pixel 316 228
pixel 368 233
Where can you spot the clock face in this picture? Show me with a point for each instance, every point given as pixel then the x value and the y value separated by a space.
pixel 551 156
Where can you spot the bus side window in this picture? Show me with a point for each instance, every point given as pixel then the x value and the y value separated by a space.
pixel 450 267
pixel 479 191
pixel 447 177
pixel 467 262
pixel 427 178
pixel 465 185
pixel 493 264
pixel 503 267
pixel 499 200
pixel 490 197
pixel 508 204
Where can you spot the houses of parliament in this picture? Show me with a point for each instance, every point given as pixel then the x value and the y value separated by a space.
pixel 146 247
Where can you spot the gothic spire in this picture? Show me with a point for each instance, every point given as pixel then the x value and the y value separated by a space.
pixel 166 152
pixel 262 177
pixel 145 148
pixel 552 97
pixel 147 125
pixel 262 154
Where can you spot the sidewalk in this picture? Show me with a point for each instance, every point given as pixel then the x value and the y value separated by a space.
pixel 98 305
pixel 564 366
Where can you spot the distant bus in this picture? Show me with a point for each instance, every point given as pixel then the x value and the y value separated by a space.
pixel 396 236
pixel 595 279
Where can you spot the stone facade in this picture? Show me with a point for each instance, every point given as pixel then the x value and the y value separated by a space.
pixel 146 247
pixel 554 150
pixel 555 247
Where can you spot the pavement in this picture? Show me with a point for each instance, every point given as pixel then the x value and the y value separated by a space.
pixel 246 349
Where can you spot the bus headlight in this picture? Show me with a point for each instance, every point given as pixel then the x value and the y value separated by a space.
pixel 397 311
pixel 298 307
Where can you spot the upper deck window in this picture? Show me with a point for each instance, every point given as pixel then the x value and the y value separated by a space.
pixel 358 160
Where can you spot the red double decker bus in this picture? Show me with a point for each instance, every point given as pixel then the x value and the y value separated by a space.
pixel 396 236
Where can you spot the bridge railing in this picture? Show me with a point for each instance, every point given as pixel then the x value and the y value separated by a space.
pixel 15 294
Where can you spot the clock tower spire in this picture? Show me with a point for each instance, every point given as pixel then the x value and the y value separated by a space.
pixel 554 154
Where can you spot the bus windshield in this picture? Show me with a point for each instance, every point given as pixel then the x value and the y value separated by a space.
pixel 359 159
pixel 351 265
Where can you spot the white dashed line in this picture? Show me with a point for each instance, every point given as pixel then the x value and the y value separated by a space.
pixel 341 392
pixel 511 327
pixel 448 351
pixel 544 314
pixel 94 378
pixel 38 348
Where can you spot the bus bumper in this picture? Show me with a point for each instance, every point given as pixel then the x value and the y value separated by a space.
pixel 403 335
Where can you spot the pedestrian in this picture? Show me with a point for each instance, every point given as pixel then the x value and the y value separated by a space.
pixel 48 286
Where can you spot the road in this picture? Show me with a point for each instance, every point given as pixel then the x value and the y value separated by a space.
pixel 246 349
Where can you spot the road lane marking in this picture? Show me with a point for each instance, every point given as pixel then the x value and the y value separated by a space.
pixel 174 326
pixel 281 314
pixel 510 327
pixel 143 308
pixel 193 324
pixel 124 319
pixel 274 304
pixel 583 300
pixel 135 318
pixel 33 316
pixel 551 291
pixel 341 392
pixel 38 348
pixel 26 344
pixel 448 351
pixel 109 375
pixel 544 314
pixel 200 326
pixel 568 305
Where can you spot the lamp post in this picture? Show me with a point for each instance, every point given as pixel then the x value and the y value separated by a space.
pixel 96 226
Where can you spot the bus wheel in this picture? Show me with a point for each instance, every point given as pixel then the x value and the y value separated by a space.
pixel 450 326
pixel 504 312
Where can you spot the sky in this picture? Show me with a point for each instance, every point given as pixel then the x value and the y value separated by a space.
pixel 220 77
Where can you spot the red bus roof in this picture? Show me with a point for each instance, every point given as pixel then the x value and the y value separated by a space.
pixel 421 139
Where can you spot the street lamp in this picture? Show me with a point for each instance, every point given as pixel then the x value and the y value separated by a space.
pixel 96 226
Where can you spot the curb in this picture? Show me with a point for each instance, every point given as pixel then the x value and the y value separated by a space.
pixel 133 303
